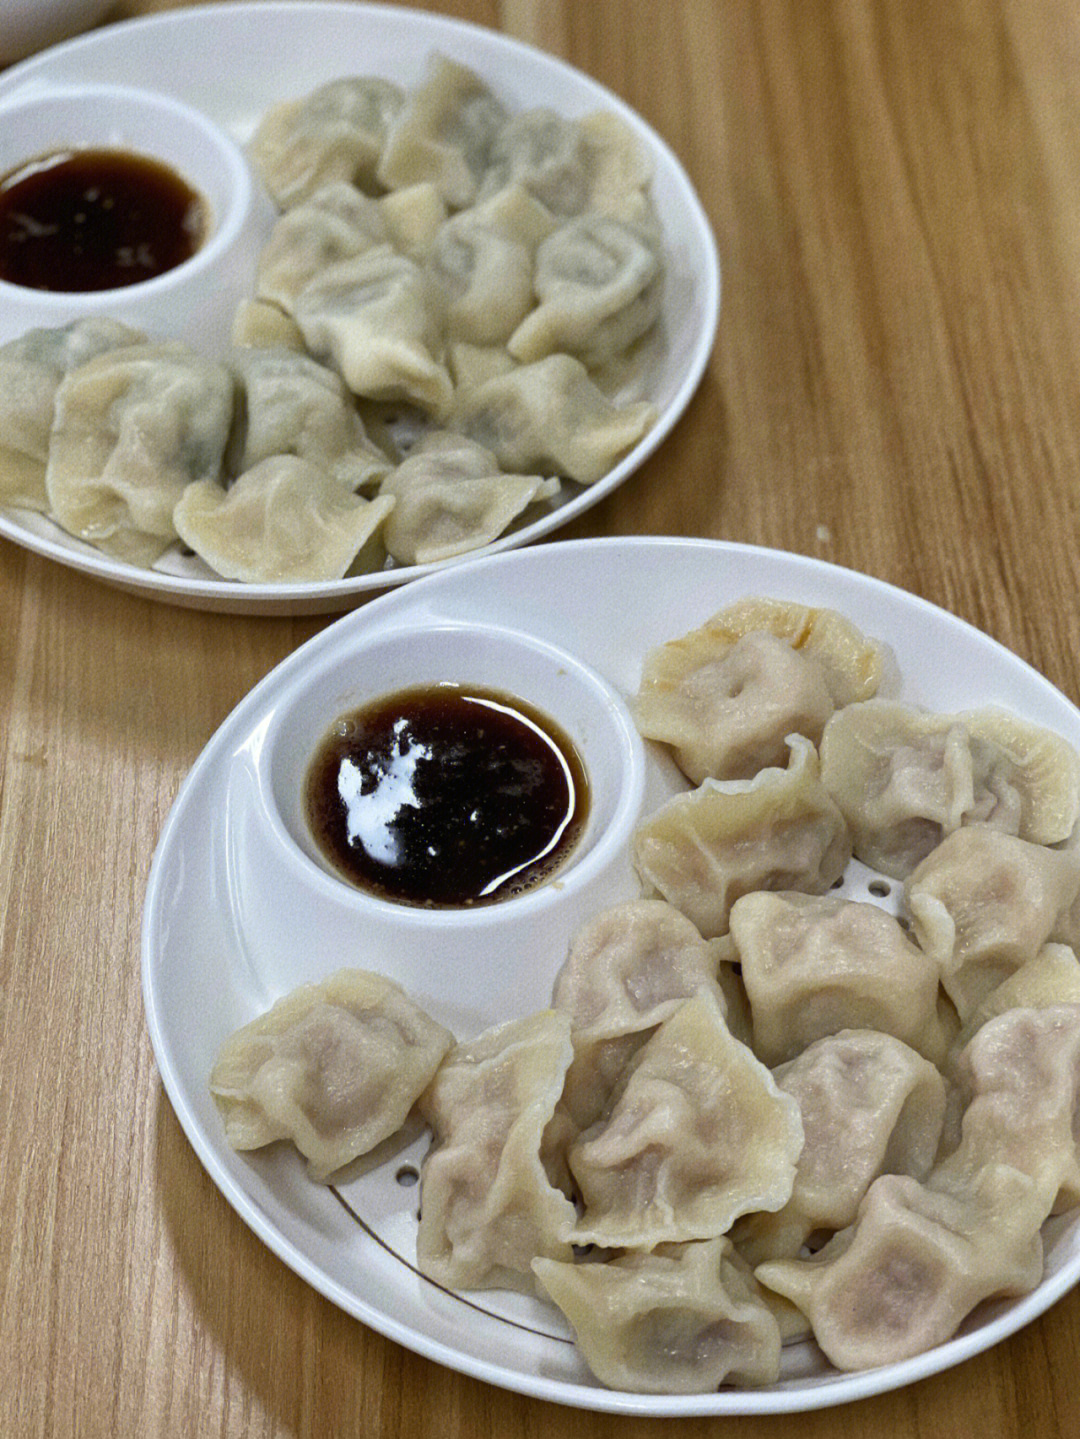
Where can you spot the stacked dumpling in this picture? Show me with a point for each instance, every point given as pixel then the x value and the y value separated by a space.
pixel 758 1111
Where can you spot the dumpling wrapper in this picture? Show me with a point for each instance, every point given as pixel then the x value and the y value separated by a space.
pixel 451 497
pixel 779 831
pixel 698 1135
pixel 31 369
pixel 725 696
pixel 488 1208
pixel 283 521
pixel 681 1320
pixel 551 416
pixel 335 1067
pixel 134 427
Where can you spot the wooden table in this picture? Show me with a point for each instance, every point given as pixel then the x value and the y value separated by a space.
pixel 895 188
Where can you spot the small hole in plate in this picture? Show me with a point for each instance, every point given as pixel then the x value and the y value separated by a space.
pixel 879 889
pixel 407 1176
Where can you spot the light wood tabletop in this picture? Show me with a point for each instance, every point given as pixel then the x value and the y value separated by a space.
pixel 895 191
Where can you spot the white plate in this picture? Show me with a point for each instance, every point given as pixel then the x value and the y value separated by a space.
pixel 209 965
pixel 233 62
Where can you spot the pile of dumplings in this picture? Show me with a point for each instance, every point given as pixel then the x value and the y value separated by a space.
pixel 450 315
pixel 756 1111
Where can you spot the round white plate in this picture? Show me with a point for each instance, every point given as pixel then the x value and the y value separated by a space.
pixel 209 964
pixel 233 62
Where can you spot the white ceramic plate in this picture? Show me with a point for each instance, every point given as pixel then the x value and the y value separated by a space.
pixel 233 62
pixel 236 914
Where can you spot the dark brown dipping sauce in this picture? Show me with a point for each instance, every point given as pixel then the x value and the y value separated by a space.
pixel 446 797
pixel 82 220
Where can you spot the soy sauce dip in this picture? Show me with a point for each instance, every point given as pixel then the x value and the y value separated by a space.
pixel 446 796
pixel 77 221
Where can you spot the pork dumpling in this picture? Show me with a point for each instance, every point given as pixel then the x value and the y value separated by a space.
pixel 870 1105
pixel 482 261
pixel 1022 1073
pixel 488 1208
pixel 336 133
pixel 31 369
pixel 814 965
pixel 373 318
pixel 906 778
pixel 628 969
pixel 726 696
pixel 335 1067
pixel 443 133
pixel 681 1320
pixel 631 966
pixel 984 903
pixel 134 427
pixel 916 1262
pixel 1051 978
pixel 781 830
pixel 450 496
pixel 698 1135
pixel 551 416
pixel 333 224
pixel 285 520
pixel 597 283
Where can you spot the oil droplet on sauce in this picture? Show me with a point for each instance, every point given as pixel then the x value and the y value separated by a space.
pixel 81 220
pixel 446 797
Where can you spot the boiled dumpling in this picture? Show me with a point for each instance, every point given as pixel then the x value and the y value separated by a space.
pixel 284 521
pixel 628 969
pixel 813 965
pixel 333 224
pixel 487 1206
pixel 133 428
pixel 294 406
pixel 870 1105
pixel 482 262
pixel 1021 1074
pixel 598 286
pixel 984 903
pixel 781 830
pixel 31 369
pixel 681 1320
pixel 335 1067
pixel 336 133
pixel 551 416
pixel 443 133
pixel 372 317
pixel 917 1260
pixel 906 778
pixel 450 496
pixel 698 1135
pixel 727 695
pixel 594 163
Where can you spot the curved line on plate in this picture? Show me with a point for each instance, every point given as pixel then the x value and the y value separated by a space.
pixel 450 1293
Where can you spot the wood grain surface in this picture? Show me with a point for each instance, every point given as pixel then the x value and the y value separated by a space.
pixel 895 188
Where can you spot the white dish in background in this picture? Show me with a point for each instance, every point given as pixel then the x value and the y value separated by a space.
pixel 234 61
pixel 207 969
